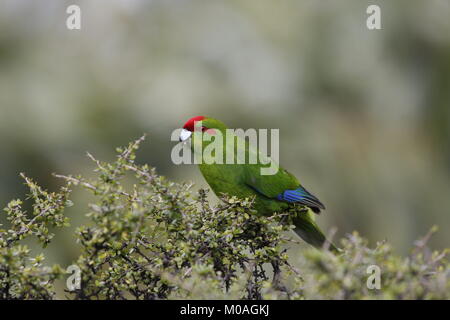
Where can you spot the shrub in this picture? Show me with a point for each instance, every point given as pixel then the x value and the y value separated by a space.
pixel 159 240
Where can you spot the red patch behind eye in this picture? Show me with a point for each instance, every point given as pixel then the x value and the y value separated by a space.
pixel 210 131
pixel 189 125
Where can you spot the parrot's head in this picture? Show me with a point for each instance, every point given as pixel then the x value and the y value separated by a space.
pixel 203 124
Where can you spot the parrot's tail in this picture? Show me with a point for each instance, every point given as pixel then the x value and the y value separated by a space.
pixel 310 232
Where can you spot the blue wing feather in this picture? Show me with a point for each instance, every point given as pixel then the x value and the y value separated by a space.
pixel 301 196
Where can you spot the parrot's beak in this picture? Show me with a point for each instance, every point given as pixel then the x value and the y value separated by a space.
pixel 184 135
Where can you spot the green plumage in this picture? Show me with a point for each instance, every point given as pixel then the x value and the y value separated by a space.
pixel 246 181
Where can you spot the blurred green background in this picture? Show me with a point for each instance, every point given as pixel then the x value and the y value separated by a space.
pixel 364 116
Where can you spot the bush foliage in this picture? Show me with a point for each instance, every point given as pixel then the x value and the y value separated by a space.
pixel 157 239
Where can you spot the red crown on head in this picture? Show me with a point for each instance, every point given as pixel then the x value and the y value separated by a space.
pixel 189 125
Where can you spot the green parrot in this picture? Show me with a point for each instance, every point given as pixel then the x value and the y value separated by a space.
pixel 227 174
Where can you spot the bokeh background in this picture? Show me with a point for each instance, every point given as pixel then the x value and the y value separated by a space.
pixel 364 116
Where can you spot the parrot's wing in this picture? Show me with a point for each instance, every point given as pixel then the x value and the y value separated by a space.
pixel 302 196
pixel 282 186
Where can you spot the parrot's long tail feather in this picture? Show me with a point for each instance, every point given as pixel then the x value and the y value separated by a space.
pixel 308 230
